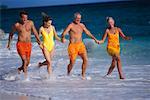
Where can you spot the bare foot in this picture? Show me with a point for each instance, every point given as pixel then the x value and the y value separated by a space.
pixel 122 78
pixel 26 79
pixel 19 70
pixel 83 78
pixel 107 76
pixel 68 74
pixel 40 64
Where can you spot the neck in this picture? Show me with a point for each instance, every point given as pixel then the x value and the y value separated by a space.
pixel 46 26
pixel 111 27
pixel 22 22
pixel 75 22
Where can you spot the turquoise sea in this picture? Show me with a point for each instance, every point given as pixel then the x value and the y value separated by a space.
pixel 134 20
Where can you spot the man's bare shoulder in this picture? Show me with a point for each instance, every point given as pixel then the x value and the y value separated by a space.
pixel 16 24
pixel 30 22
pixel 82 25
pixel 71 24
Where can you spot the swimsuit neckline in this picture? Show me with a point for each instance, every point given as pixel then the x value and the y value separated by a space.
pixel 114 32
pixel 46 31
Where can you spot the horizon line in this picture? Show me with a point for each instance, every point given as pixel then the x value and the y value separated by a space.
pixel 73 4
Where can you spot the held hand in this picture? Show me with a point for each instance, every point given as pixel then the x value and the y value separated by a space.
pixel 63 40
pixel 101 41
pixel 97 41
pixel 41 46
pixel 128 38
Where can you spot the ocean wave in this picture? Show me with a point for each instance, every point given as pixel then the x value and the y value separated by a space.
pixel 4 36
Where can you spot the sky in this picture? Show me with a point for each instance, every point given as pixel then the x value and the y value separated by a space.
pixel 35 3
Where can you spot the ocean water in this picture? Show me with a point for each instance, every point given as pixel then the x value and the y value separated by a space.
pixel 131 17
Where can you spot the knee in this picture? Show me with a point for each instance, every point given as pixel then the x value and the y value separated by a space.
pixel 113 61
pixel 48 62
pixel 72 62
pixel 28 63
pixel 118 59
pixel 25 61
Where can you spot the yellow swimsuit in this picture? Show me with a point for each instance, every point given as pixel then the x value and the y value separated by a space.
pixel 113 46
pixel 48 39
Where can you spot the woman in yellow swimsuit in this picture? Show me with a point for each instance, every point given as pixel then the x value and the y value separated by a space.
pixel 113 46
pixel 48 33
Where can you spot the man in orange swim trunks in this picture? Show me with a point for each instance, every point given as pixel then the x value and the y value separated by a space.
pixel 24 28
pixel 76 46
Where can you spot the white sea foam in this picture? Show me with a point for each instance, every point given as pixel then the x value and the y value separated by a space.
pixel 60 86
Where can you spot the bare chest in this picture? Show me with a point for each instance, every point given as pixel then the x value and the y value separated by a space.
pixel 26 28
pixel 77 29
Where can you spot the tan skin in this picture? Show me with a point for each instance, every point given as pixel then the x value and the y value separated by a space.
pixel 75 30
pixel 115 58
pixel 24 29
pixel 48 55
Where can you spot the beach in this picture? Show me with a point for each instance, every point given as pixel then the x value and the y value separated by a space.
pixel 135 57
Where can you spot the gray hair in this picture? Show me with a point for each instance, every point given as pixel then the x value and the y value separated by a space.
pixel 76 14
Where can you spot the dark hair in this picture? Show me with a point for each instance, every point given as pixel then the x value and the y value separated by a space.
pixel 23 13
pixel 46 19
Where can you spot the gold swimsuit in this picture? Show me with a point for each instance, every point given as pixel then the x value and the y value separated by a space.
pixel 113 46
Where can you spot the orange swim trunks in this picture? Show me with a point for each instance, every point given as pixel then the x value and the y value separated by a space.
pixel 75 49
pixel 24 48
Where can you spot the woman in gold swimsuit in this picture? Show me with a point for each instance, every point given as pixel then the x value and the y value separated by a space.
pixel 113 46
pixel 47 30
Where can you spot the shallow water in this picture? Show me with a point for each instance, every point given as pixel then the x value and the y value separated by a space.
pixel 135 57
pixel 135 86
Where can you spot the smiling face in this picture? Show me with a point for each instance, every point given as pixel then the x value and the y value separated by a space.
pixel 111 22
pixel 48 23
pixel 77 18
pixel 24 18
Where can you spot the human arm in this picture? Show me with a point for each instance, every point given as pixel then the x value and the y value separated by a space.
pixel 13 30
pixel 87 32
pixel 104 37
pixel 65 32
pixel 123 36
pixel 55 34
pixel 36 35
